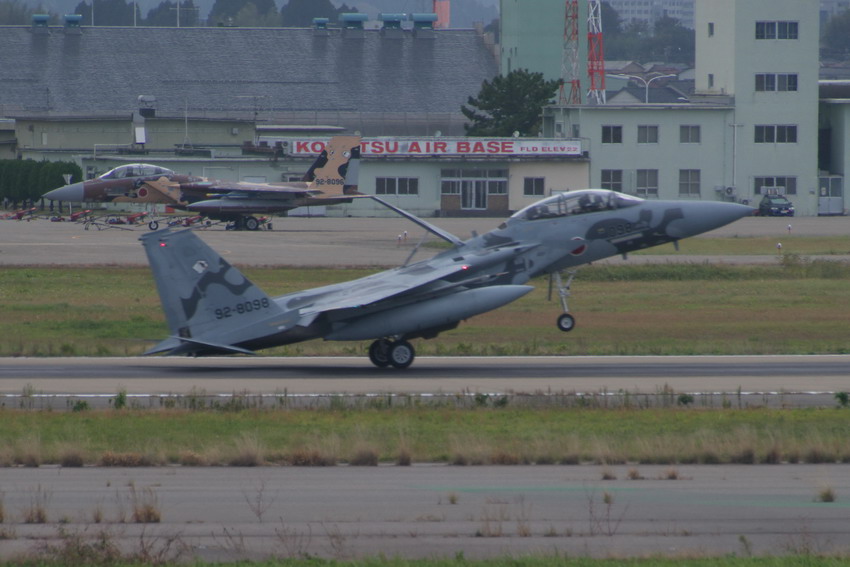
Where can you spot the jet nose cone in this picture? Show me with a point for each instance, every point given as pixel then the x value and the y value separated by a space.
pixel 699 217
pixel 73 193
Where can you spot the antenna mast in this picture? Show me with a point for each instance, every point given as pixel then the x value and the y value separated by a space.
pixel 595 53
pixel 569 59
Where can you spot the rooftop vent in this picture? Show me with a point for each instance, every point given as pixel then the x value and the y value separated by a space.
pixel 147 106
pixel 392 25
pixel 320 26
pixel 423 25
pixel 39 23
pixel 352 23
pixel 72 24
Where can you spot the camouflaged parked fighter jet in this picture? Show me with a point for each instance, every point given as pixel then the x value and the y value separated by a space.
pixel 327 182
pixel 212 308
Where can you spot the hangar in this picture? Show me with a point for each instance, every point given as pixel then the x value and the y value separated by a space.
pixel 246 104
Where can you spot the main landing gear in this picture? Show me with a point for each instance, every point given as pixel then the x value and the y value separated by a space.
pixel 566 322
pixel 387 352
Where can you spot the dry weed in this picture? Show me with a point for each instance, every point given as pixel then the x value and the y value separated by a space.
pixel 145 505
pixel 250 452
pixel 111 459
pixel 364 457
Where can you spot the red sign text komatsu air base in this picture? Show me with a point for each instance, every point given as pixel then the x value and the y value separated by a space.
pixel 450 147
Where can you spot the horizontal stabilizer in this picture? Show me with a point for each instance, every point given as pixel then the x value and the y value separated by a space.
pixel 175 346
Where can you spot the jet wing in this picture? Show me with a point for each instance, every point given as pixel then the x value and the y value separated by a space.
pixel 247 189
pixel 371 289
pixel 408 283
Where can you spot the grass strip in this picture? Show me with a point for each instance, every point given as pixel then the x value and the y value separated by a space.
pixel 797 306
pixel 483 435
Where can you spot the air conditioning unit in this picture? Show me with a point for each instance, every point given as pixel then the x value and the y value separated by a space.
pixel 730 192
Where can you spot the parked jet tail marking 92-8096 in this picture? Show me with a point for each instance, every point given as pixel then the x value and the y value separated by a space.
pixel 211 308
pixel 332 179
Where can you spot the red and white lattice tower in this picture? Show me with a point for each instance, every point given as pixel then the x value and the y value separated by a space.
pixel 570 78
pixel 595 53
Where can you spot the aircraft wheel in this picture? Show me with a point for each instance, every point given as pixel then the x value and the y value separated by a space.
pixel 566 322
pixel 379 353
pixel 153 225
pixel 251 223
pixel 401 354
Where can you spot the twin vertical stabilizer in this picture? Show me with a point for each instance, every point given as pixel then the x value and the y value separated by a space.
pixel 200 290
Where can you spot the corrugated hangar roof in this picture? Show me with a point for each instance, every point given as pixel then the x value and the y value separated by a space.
pixel 237 71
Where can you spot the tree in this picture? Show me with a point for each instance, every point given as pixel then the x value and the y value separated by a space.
pixel 508 104
pixel 300 13
pixel 28 179
pixel 672 42
pixel 238 12
pixel 165 15
pixel 17 13
pixel 108 12
pixel 611 21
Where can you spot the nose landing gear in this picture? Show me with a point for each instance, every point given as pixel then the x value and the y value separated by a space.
pixel 566 322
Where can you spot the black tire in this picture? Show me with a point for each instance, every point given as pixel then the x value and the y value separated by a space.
pixel 566 323
pixel 379 353
pixel 401 354
pixel 153 225
pixel 251 223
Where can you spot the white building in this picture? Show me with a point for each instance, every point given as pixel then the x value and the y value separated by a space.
pixel 751 127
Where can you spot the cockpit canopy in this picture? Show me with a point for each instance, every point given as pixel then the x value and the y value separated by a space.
pixel 577 203
pixel 135 170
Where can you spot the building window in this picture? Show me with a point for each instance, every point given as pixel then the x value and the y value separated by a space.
pixel 450 187
pixel 786 82
pixel 396 185
pixel 710 29
pixel 647 183
pixel 777 30
pixel 689 134
pixel 497 182
pixel 787 30
pixel 779 134
pixel 533 186
pixel 460 181
pixel 711 80
pixel 776 81
pixel 612 134
pixel 773 185
pixel 765 30
pixel 647 134
pixel 612 179
pixel 689 183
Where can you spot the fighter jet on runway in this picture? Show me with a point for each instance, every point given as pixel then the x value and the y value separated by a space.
pixel 324 184
pixel 212 308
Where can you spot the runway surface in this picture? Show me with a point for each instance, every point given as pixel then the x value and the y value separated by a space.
pixel 439 510
pixel 797 380
pixel 355 242
pixel 423 510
